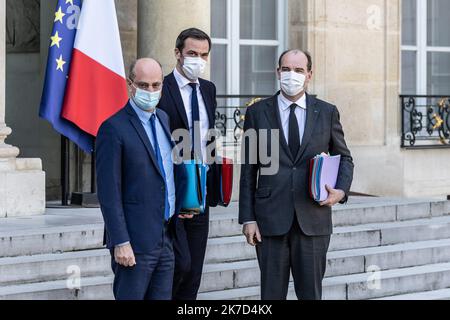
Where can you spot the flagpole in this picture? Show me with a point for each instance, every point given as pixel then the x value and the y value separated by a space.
pixel 93 174
pixel 65 179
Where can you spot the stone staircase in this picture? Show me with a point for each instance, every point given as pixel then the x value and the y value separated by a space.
pixel 382 248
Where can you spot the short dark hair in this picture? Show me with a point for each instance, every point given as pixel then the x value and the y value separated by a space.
pixel 191 33
pixel 306 53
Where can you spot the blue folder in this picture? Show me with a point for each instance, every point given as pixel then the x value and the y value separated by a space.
pixel 194 200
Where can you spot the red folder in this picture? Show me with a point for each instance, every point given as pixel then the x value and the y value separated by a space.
pixel 226 181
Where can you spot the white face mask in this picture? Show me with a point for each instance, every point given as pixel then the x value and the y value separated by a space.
pixel 147 100
pixel 292 83
pixel 193 67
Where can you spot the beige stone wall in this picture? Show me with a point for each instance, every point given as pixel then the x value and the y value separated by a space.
pixel 356 48
pixel 150 28
pixel 127 18
pixel 2 62
pixel 354 44
pixel 160 22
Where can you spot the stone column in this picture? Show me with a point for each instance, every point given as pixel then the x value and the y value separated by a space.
pixel 160 22
pixel 22 181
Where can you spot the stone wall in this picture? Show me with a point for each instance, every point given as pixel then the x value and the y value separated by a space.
pixel 356 47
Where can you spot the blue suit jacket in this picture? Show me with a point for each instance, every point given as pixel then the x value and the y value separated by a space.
pixel 131 188
pixel 172 103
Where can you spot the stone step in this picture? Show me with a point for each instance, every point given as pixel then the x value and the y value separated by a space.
pixel 74 229
pixel 81 237
pixel 224 224
pixel 50 240
pixel 40 268
pixel 250 293
pixel 387 257
pixel 92 288
pixel 380 234
pixel 51 267
pixel 228 249
pixel 392 282
pixel 235 248
pixel 362 211
pixel 443 294
pixel 221 276
pixel 367 285
pixel 224 221
pixel 361 286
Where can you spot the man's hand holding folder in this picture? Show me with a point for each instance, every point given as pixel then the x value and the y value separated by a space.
pixel 334 197
pixel 323 177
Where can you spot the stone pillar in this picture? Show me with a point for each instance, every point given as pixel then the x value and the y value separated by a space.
pixel 160 22
pixel 22 181
pixel 127 18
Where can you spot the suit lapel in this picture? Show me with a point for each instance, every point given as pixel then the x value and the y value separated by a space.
pixel 312 113
pixel 134 119
pixel 273 115
pixel 208 104
pixel 176 96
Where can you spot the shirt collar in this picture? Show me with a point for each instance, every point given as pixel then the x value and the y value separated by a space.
pixel 182 80
pixel 285 103
pixel 143 116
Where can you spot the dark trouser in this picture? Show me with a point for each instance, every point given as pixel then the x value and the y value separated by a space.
pixel 151 277
pixel 190 248
pixel 305 256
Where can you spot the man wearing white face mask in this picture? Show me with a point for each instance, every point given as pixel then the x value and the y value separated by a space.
pixel 140 189
pixel 190 102
pixel 290 230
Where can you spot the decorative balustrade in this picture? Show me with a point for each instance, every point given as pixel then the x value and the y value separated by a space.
pixel 425 121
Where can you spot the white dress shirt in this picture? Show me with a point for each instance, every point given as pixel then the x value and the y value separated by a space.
pixel 284 106
pixel 186 94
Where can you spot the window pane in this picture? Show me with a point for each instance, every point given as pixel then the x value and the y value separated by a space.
pixel 438 23
pixel 219 67
pixel 409 22
pixel 438 73
pixel 258 64
pixel 259 19
pixel 219 18
pixel 409 73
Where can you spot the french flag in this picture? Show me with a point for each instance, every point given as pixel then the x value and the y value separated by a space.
pixel 96 85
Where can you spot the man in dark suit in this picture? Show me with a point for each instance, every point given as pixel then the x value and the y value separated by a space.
pixel 191 104
pixel 291 232
pixel 140 188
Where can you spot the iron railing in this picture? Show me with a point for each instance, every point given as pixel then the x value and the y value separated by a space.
pixel 230 114
pixel 425 121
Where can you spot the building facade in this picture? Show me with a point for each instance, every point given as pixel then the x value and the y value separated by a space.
pixel 366 55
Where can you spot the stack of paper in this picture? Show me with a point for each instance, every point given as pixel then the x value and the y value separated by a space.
pixel 324 170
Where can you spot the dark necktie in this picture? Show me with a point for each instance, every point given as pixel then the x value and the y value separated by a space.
pixel 161 165
pixel 294 132
pixel 196 141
